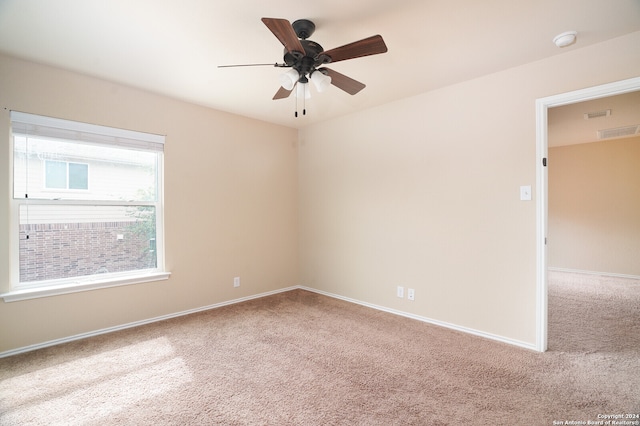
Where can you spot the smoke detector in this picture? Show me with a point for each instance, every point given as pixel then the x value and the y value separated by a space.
pixel 565 39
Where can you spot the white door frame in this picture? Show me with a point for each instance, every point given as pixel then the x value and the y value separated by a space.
pixel 542 105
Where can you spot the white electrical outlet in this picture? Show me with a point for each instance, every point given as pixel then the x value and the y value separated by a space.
pixel 236 282
pixel 411 294
pixel 400 291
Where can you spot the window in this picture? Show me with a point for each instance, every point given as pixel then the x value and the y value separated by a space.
pixel 77 230
pixel 64 175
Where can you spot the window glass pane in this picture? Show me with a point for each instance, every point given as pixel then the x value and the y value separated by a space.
pixel 78 176
pixel 64 241
pixel 117 173
pixel 56 174
pixel 86 199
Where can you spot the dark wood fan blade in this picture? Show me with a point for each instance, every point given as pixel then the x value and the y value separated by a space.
pixel 343 82
pixel 282 93
pixel 368 46
pixel 283 30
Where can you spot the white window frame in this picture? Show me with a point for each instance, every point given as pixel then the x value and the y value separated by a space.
pixel 89 133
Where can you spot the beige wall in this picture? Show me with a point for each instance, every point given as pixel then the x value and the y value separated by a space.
pixel 230 196
pixel 424 193
pixel 594 207
pixel 421 192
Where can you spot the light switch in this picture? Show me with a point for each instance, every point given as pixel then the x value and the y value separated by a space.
pixel 525 193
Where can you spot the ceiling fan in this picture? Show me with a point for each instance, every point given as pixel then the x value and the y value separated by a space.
pixel 306 58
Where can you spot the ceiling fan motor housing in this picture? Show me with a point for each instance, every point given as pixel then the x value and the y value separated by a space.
pixel 307 63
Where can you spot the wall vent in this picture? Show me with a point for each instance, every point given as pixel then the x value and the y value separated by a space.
pixel 597 114
pixel 619 132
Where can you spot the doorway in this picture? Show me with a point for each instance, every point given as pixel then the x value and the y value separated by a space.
pixel 542 106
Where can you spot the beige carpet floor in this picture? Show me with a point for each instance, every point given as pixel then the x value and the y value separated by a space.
pixel 299 358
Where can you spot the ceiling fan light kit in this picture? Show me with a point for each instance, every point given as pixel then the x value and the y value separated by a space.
pixel 305 57
pixel 289 79
pixel 302 91
pixel 320 81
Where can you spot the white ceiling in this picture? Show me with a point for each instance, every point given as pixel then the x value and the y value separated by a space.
pixel 174 47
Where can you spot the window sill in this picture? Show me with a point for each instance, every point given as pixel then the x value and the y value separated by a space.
pixel 55 290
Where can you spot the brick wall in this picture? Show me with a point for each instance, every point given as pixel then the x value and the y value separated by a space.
pixel 63 250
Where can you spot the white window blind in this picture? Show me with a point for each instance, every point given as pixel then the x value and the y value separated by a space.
pixel 50 127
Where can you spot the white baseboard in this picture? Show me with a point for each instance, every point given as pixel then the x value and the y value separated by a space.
pixel 604 274
pixel 138 323
pixel 258 296
pixel 428 320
